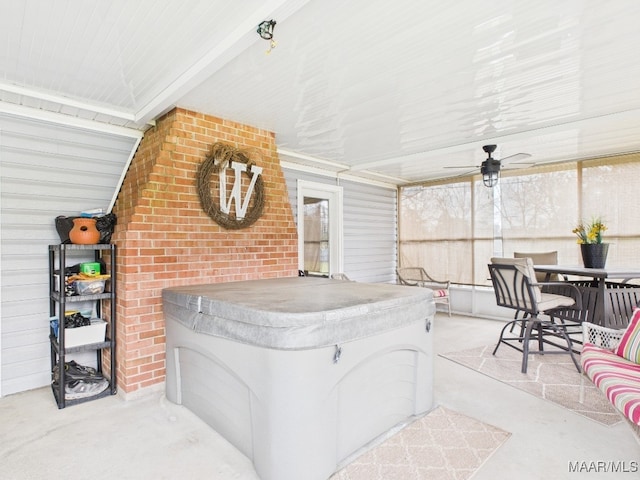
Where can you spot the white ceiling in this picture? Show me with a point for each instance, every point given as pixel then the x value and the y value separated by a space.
pixel 389 91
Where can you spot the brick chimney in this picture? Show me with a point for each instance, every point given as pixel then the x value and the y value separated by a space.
pixel 165 239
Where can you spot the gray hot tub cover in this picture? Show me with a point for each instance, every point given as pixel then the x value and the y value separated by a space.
pixel 297 312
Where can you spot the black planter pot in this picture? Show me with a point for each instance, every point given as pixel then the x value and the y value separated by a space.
pixel 594 255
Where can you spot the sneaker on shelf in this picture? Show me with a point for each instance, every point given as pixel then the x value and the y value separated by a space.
pixel 81 389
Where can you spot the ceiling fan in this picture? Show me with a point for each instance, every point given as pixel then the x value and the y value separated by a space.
pixel 490 168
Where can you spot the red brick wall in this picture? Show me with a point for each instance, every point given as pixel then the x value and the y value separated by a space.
pixel 165 239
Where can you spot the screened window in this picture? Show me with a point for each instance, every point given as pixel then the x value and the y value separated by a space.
pixel 454 228
pixel 436 229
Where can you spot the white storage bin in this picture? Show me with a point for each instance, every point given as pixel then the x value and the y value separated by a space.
pixel 73 337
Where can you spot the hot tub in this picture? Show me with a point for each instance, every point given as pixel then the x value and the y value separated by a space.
pixel 299 373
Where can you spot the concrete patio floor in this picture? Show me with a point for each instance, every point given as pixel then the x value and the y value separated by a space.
pixel 151 438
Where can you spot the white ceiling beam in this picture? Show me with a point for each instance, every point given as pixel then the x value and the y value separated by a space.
pixel 339 170
pixel 394 180
pixel 68 120
pixel 335 175
pixel 318 161
pixel 66 101
pixel 236 42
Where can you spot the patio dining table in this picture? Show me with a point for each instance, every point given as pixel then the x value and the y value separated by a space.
pixel 608 294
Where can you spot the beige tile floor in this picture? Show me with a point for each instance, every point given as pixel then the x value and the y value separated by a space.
pixel 150 438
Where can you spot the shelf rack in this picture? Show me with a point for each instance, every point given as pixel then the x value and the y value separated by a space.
pixel 58 301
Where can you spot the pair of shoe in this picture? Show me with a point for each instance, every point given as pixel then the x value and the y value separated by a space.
pixel 79 380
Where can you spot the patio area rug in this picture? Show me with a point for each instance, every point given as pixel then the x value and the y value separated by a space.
pixel 443 445
pixel 551 377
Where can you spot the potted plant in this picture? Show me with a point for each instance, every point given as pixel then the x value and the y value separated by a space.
pixel 594 251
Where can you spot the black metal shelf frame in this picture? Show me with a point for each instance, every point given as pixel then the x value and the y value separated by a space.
pixel 57 307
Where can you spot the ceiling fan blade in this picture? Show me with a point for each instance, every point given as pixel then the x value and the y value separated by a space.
pixel 463 166
pixel 517 166
pixel 515 157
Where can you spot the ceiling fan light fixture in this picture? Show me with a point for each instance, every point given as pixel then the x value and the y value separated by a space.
pixel 490 170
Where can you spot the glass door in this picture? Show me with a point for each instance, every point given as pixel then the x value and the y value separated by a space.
pixel 316 236
pixel 319 229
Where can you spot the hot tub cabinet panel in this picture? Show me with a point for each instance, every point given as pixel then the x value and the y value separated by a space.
pixel 299 413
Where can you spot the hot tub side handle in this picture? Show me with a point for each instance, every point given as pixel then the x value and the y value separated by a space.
pixel 428 326
pixel 337 354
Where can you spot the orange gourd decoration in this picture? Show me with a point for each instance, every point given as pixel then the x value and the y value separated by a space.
pixel 84 231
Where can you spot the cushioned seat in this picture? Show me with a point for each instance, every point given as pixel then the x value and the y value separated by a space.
pixel 617 377
pixel 551 300
pixel 611 359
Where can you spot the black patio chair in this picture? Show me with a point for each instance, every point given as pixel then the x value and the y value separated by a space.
pixel 546 315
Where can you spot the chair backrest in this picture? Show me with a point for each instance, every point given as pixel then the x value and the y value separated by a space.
pixel 541 258
pixel 412 275
pixel 512 280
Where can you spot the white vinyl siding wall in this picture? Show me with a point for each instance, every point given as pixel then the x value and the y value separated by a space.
pixel 46 170
pixel 369 226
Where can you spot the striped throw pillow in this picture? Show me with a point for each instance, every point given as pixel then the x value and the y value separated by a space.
pixel 629 346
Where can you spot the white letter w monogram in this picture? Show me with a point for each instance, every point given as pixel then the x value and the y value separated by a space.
pixel 236 191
